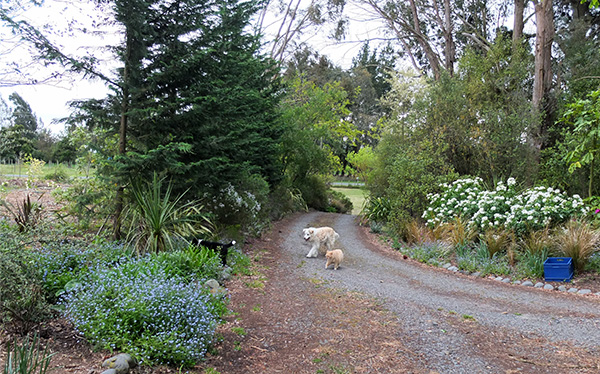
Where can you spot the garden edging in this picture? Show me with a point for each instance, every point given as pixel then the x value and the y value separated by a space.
pixel 544 285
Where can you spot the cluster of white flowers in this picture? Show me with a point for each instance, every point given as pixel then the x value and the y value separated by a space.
pixel 233 202
pixel 533 208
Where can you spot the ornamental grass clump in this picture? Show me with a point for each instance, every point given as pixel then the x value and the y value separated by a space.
pixel 497 240
pixel 145 311
pixel 578 240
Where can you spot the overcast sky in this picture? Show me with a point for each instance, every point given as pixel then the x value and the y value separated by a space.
pixel 49 101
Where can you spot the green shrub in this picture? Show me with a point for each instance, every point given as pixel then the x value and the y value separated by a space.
pixel 22 301
pixel 531 263
pixel 434 252
pixel 57 175
pixel 339 203
pixel 377 209
pixel 314 191
pixel 86 202
pixel 190 264
pixel 413 175
pixel 157 222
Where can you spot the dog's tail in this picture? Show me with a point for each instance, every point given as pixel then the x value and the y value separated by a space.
pixel 336 236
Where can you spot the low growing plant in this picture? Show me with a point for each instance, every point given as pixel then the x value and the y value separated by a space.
pixel 26 214
pixel 496 240
pixel 140 308
pixel 376 209
pixel 26 358
pixel 531 263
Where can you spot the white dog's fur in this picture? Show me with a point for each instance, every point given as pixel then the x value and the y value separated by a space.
pixel 319 236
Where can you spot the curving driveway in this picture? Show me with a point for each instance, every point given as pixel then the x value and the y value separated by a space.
pixel 456 323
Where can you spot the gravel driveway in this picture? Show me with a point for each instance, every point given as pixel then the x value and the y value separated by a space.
pixel 506 322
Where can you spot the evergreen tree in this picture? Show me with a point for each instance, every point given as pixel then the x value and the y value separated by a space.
pixel 205 112
pixel 22 115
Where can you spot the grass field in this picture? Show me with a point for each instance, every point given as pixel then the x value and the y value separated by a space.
pixel 21 170
pixel 356 195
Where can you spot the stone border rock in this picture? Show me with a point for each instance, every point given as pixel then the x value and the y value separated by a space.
pixel 545 286
pixel 119 364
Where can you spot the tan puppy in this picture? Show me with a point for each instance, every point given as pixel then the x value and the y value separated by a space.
pixel 334 257
pixel 319 237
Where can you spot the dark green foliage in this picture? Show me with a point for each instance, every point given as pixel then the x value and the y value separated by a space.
pixel 314 191
pixel 207 111
pixel 377 209
pixel 406 175
pixel 339 203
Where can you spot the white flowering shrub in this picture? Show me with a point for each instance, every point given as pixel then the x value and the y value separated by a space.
pixel 532 209
pixel 242 205
pixel 146 309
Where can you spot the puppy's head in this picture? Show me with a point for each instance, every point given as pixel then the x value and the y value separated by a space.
pixel 308 233
pixel 329 254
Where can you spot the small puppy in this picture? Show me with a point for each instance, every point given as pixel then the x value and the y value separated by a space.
pixel 334 257
pixel 319 236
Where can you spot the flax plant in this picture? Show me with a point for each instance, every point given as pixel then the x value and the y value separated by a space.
pixel 158 222
pixel 27 358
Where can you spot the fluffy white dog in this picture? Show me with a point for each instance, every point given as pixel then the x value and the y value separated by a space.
pixel 318 237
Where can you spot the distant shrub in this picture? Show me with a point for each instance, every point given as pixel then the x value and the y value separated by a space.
pixel 339 203
pixel 57 175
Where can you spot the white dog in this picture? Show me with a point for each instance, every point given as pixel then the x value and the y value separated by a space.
pixel 319 236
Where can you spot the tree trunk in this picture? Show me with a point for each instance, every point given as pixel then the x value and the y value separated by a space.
pixel 123 133
pixel 450 49
pixel 542 81
pixel 518 23
pixel 432 57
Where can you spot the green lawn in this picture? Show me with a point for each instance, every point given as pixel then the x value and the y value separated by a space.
pixel 21 170
pixel 356 195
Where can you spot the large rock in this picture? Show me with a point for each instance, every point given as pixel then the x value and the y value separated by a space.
pixel 120 363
